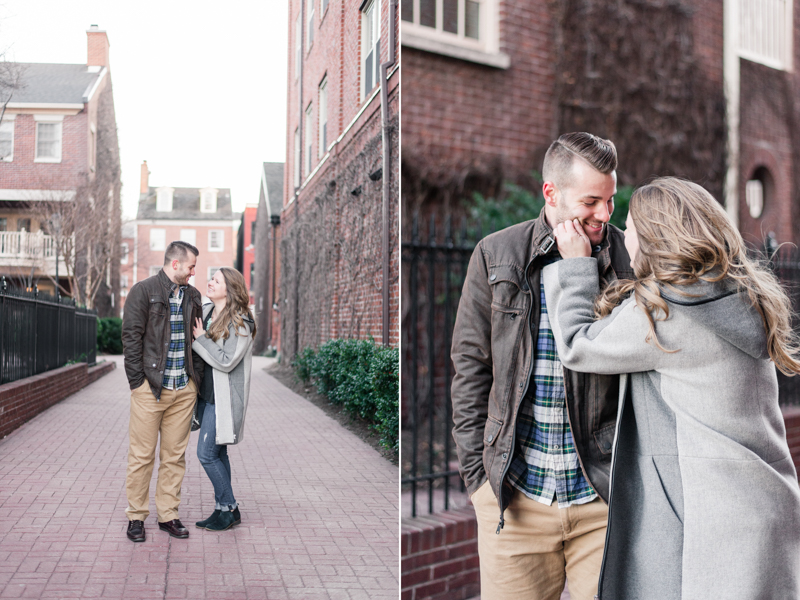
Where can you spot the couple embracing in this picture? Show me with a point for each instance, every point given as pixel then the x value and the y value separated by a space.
pixel 616 398
pixel 188 367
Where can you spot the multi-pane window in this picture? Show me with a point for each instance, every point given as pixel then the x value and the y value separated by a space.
pixel 308 136
pixel 208 200
pixel 23 225
pixel 164 199
pixel 216 240
pixel 765 28
pixel 461 18
pixel 7 140
pixel 3 224
pixel 252 233
pixel 189 236
pixel 211 272
pixel 48 142
pixel 370 45
pixel 158 239
pixel 154 270
pixel 309 24
pixel 124 250
pixel 123 281
pixel 323 117
pixel 297 157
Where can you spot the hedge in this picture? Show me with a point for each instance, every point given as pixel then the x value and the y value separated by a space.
pixel 361 376
pixel 109 335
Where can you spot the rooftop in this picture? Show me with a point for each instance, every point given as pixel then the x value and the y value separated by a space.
pixel 185 205
pixel 46 83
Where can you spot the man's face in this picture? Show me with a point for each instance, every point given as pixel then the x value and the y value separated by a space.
pixel 184 269
pixel 588 197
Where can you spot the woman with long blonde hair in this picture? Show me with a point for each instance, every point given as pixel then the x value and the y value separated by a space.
pixel 223 339
pixel 704 498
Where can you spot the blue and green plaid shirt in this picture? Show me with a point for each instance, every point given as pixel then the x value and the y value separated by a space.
pixel 545 465
pixel 175 377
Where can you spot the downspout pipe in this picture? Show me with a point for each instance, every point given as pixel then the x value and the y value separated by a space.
pixel 731 77
pixel 386 167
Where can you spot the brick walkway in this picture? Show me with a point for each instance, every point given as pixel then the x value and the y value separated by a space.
pixel 319 508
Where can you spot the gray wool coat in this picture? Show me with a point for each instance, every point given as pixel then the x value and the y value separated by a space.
pixel 704 498
pixel 230 359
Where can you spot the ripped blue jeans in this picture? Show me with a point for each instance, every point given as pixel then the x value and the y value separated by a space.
pixel 215 461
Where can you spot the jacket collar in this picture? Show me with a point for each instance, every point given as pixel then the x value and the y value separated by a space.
pixel 168 284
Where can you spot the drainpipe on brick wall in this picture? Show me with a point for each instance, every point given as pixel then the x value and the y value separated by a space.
pixel 731 77
pixel 386 179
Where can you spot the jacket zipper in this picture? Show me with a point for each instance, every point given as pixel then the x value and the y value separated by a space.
pixel 539 252
pixel 611 491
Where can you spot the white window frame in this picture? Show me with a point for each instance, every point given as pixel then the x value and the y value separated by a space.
pixel 208 200
pixel 766 32
pixel 221 246
pixel 309 121
pixel 298 46
pixel 164 198
pixel 189 236
pixel 155 269
pixel 124 251
pixel 323 118
pixel 58 122
pixel 754 197
pixel 309 24
pixel 297 165
pixel 159 240
pixel 8 123
pixel 370 45
pixel 484 50
pixel 212 271
pixel 123 281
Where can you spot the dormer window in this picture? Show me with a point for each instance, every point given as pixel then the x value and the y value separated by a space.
pixel 208 200
pixel 164 199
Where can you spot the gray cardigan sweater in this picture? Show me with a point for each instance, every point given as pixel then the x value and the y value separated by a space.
pixel 704 496
pixel 230 359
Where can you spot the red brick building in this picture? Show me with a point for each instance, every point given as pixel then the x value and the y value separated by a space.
pixel 339 259
pixel 267 271
pixel 704 90
pixel 200 216
pixel 245 250
pixel 59 169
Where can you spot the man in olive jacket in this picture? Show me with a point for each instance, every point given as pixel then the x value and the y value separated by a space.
pixel 164 376
pixel 534 439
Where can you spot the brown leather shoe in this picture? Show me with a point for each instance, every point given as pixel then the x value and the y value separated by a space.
pixel 175 528
pixel 136 531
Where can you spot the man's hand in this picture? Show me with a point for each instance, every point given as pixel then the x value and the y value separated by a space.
pixel 572 240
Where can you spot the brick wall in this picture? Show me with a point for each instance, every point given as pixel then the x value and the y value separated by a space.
pixel 22 400
pixel 439 556
pixel 331 226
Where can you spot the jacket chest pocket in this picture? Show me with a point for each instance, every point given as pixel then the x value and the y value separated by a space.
pixel 157 307
pixel 510 300
pixel 509 291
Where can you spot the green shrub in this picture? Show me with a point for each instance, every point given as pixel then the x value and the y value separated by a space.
pixel 360 376
pixel 109 335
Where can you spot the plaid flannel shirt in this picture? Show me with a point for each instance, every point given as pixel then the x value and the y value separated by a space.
pixel 175 377
pixel 545 465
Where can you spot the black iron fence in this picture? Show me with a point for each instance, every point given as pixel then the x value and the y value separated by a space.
pixel 434 264
pixel 39 332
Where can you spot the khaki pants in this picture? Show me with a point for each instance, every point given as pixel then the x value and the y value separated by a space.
pixel 538 547
pixel 172 418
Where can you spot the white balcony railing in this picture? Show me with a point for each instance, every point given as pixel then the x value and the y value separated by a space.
pixel 23 249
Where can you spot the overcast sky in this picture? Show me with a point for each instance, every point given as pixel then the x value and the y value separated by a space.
pixel 199 87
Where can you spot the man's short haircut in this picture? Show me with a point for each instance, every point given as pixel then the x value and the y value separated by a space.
pixel 179 251
pixel 599 153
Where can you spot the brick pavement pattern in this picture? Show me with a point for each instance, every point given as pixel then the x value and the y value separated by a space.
pixel 320 508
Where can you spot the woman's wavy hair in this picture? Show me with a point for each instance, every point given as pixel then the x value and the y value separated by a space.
pixel 237 306
pixel 685 236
